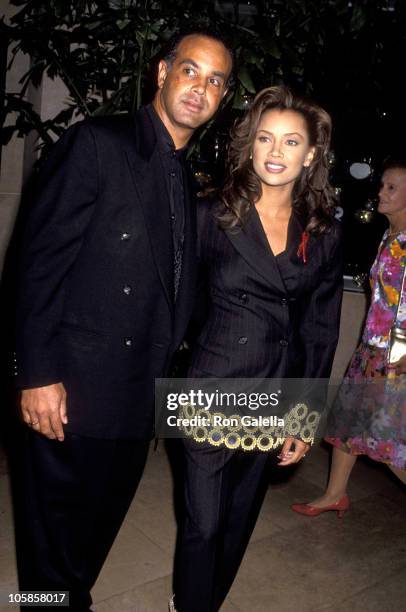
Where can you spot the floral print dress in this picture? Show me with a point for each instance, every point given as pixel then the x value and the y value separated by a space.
pixel 369 414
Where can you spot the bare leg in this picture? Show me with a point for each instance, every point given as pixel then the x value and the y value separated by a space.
pixel 401 474
pixel 341 468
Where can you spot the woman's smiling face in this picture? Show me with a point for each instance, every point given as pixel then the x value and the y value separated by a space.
pixel 281 148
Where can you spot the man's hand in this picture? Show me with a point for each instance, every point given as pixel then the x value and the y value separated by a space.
pixel 287 456
pixel 44 409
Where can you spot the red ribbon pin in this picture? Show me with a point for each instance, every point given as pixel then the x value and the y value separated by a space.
pixel 301 252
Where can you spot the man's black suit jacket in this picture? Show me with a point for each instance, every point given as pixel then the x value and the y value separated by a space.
pixel 95 306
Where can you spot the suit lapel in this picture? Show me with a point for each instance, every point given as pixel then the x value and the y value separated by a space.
pixel 150 184
pixel 295 230
pixel 251 243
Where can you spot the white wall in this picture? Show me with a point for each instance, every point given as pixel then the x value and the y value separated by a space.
pixel 12 159
pixel 19 155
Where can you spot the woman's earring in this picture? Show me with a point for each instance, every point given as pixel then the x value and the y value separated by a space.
pixel 250 155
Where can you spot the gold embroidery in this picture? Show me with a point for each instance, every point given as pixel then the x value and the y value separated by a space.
pixel 215 437
pixel 264 442
pixel 200 434
pixel 248 442
pixel 298 423
pixel 188 411
pixel 232 440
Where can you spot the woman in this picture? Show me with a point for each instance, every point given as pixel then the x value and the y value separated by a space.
pixel 372 418
pixel 271 252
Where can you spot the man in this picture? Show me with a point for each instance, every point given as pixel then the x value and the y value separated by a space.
pixel 106 291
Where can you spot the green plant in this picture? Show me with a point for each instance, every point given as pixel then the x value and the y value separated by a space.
pixel 102 50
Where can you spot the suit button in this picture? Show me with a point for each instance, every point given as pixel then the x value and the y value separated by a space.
pixel 128 342
pixel 243 297
pixel 243 340
pixel 284 302
pixel 127 289
pixel 172 174
pixel 125 236
pixel 283 342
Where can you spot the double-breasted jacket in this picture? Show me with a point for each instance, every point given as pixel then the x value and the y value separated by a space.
pixel 268 316
pixel 96 300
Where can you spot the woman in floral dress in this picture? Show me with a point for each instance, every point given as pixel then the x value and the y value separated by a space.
pixel 369 415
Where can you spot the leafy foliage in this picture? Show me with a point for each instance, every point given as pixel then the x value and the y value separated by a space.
pixel 103 51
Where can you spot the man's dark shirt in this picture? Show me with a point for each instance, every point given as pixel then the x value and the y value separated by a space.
pixel 172 162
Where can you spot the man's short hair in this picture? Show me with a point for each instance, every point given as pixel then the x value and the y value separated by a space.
pixel 171 48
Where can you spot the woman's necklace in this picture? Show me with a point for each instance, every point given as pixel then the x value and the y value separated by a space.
pixel 401 231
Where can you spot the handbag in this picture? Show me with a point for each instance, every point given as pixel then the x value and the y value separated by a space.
pixel 397 336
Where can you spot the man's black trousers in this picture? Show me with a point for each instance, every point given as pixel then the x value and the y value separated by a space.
pixel 71 498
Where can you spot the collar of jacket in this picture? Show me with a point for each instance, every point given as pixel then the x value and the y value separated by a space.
pixel 148 174
pixel 145 136
pixel 252 244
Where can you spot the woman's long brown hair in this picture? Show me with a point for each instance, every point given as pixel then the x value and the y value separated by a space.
pixel 313 195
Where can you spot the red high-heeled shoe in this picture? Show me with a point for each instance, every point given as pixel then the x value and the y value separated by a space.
pixel 340 507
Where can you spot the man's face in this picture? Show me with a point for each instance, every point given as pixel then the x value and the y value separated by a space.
pixel 191 89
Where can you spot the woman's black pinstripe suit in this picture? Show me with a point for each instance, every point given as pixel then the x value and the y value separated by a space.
pixel 269 316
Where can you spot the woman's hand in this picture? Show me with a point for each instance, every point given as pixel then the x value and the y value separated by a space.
pixel 399 366
pixel 288 456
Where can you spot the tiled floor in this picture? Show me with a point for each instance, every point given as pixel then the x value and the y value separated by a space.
pixel 292 564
